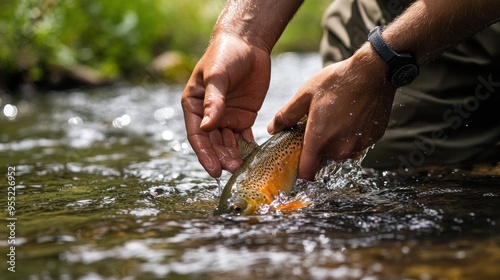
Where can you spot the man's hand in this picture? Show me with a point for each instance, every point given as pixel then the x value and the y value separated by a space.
pixel 348 106
pixel 349 103
pixel 229 83
pixel 222 98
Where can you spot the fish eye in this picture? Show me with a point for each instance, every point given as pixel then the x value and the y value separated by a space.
pixel 237 205
pixel 237 209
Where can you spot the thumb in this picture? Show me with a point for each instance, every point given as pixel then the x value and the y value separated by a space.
pixel 291 113
pixel 213 104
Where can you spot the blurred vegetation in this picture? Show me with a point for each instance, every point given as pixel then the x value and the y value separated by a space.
pixel 61 43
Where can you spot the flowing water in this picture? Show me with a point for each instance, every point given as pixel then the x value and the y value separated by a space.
pixel 107 187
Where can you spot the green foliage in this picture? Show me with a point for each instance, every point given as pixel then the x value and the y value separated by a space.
pixel 304 32
pixel 118 38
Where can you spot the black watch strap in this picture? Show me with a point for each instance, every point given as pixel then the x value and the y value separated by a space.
pixel 403 68
pixel 378 43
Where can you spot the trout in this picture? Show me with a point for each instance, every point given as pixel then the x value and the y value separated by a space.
pixel 267 171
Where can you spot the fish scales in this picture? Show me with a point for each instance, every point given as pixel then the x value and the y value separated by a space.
pixel 267 170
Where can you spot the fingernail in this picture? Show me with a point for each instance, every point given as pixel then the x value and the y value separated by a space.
pixel 270 127
pixel 213 168
pixel 204 121
pixel 274 128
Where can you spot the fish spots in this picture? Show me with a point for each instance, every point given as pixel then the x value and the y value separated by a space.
pixel 268 170
pixel 249 195
pixel 280 168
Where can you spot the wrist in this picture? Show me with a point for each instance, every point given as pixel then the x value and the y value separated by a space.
pixel 367 60
pixel 247 37
pixel 259 22
pixel 403 67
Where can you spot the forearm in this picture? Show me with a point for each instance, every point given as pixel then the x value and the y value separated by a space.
pixel 428 27
pixel 260 22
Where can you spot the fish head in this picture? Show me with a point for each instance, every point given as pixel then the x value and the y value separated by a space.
pixel 245 202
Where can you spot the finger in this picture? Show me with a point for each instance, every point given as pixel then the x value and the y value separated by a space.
pixel 314 156
pixel 201 144
pixel 320 148
pixel 291 113
pixel 206 154
pixel 230 142
pixel 192 104
pixel 322 142
pixel 310 156
pixel 224 157
pixel 248 135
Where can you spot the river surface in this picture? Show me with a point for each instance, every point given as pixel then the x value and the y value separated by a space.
pixel 107 187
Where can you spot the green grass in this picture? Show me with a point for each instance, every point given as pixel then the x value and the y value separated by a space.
pixel 115 38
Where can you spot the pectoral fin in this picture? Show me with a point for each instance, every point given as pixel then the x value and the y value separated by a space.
pixel 244 147
pixel 297 203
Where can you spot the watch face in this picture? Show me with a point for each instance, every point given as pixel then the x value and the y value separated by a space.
pixel 404 75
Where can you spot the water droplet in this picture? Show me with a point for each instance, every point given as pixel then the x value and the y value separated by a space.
pixel 176 146
pixel 405 250
pixel 75 121
pixel 461 254
pixel 167 135
pixel 122 121
pixel 219 187
pixel 10 111
pixel 164 114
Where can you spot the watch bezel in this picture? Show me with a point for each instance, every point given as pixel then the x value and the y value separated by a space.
pixel 404 75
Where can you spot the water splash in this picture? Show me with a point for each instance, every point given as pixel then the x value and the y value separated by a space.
pixel 219 186
pixel 332 171
pixel 343 179
pixel 346 185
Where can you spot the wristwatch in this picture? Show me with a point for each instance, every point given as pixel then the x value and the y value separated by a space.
pixel 403 67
